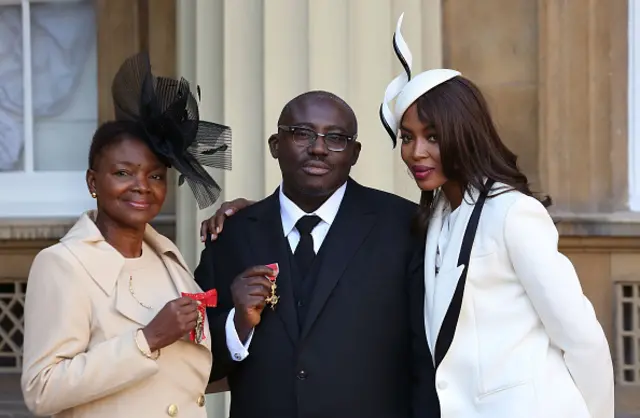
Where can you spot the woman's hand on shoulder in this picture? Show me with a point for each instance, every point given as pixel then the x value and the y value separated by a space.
pixel 215 224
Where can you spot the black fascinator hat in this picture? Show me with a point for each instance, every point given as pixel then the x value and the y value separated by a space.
pixel 167 111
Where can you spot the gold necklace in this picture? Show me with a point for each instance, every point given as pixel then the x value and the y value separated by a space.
pixel 134 294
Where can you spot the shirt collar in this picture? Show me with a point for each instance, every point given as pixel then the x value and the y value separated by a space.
pixel 291 213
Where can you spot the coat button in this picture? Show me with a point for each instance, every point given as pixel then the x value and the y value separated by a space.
pixel 172 410
pixel 201 400
pixel 302 375
pixel 442 385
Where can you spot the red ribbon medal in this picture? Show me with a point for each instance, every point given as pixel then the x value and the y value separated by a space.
pixel 272 300
pixel 207 299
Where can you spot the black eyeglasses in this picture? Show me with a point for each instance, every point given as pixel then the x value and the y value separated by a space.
pixel 306 137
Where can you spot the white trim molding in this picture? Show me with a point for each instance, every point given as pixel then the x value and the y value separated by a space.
pixel 634 105
pixel 44 194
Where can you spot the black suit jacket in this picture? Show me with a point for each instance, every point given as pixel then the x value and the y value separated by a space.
pixel 352 357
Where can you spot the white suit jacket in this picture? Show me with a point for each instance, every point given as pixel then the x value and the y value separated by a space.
pixel 80 356
pixel 527 342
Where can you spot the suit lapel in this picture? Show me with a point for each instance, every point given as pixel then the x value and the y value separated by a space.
pixel 104 264
pixel 445 282
pixel 351 226
pixel 269 245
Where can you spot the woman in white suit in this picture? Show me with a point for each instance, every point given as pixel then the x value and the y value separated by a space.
pixel 510 331
pixel 109 331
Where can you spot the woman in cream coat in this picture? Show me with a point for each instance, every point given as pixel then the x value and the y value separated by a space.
pixel 83 355
pixel 108 331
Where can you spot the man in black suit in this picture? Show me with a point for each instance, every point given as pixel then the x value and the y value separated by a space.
pixel 338 342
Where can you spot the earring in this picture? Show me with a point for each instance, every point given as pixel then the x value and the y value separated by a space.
pixel 94 195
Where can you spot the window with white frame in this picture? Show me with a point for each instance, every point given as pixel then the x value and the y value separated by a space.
pixel 48 106
pixel 634 105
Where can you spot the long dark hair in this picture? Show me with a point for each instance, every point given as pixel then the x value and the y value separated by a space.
pixel 470 147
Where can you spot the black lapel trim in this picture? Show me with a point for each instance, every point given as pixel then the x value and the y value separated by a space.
pixel 450 322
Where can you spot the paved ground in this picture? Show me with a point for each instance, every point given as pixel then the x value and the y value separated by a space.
pixel 14 410
pixel 11 405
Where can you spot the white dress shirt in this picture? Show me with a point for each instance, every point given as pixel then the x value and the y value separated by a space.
pixel 290 214
pixel 449 218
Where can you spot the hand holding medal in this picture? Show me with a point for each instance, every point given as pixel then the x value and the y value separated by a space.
pixel 177 318
pixel 206 300
pixel 251 291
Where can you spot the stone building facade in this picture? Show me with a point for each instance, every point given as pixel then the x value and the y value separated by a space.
pixel 559 76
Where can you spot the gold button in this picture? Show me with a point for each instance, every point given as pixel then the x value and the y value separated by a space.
pixel 172 410
pixel 201 400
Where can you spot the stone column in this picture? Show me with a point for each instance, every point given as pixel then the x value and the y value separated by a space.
pixel 244 96
pixel 200 53
pixel 583 107
pixel 285 70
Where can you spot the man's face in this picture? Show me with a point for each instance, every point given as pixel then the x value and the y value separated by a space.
pixel 315 168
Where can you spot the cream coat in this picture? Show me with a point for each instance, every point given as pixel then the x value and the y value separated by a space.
pixel 80 356
pixel 527 343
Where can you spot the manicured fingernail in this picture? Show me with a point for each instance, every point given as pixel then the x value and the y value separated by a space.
pixel 213 237
pixel 228 212
pixel 217 229
pixel 202 238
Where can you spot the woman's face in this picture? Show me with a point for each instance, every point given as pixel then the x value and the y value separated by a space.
pixel 130 183
pixel 420 151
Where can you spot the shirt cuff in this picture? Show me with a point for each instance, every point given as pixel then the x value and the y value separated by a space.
pixel 238 350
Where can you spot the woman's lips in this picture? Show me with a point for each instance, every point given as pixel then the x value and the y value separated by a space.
pixel 138 204
pixel 421 172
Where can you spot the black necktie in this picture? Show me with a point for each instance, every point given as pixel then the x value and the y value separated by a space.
pixel 304 253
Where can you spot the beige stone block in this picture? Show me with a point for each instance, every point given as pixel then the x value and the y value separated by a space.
pixel 582 108
pixel 15 266
pixel 515 112
pixel 625 267
pixel 627 400
pixel 492 41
